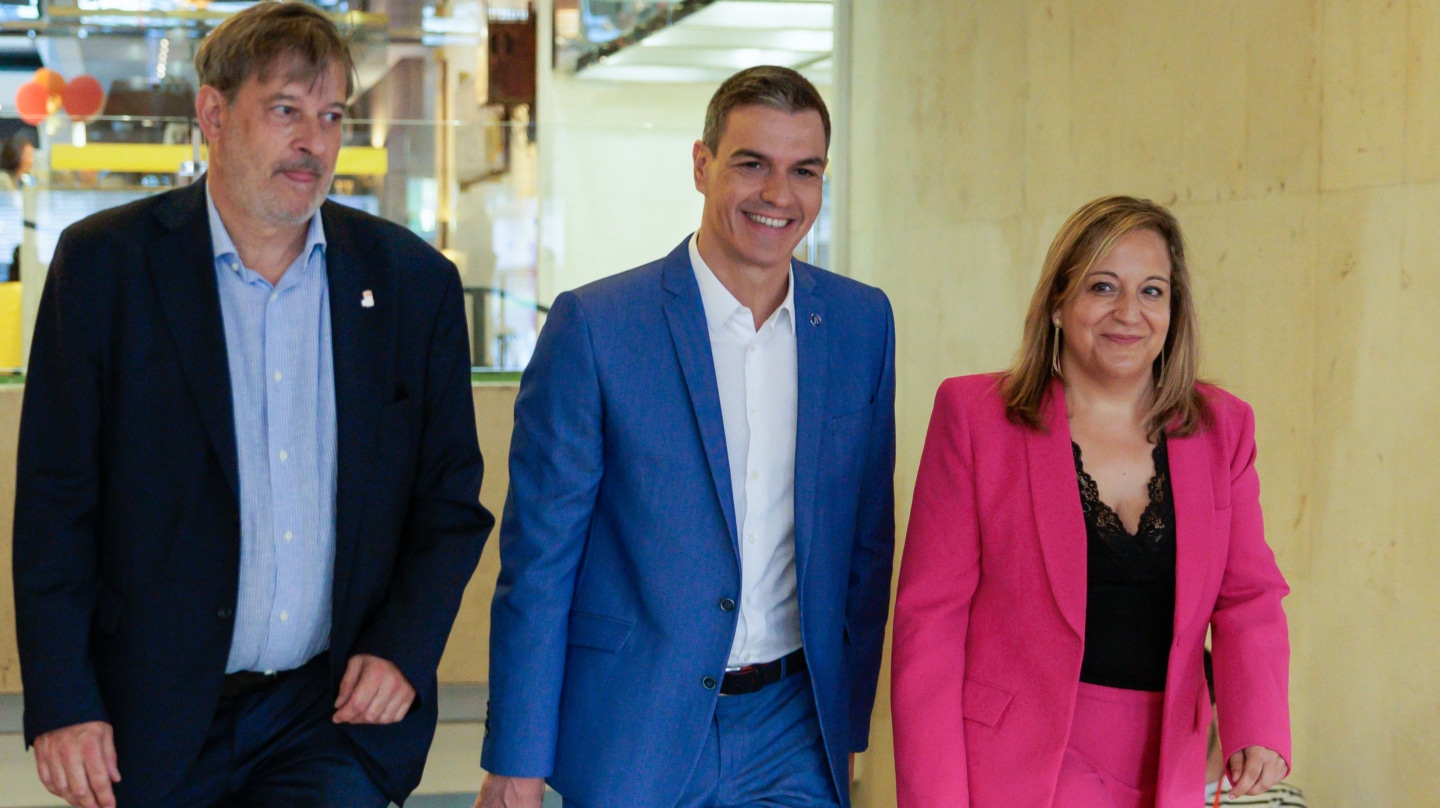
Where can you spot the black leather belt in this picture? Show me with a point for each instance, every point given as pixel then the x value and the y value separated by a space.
pixel 240 684
pixel 754 677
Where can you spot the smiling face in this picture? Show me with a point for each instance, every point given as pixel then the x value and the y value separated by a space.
pixel 1115 325
pixel 762 186
pixel 273 146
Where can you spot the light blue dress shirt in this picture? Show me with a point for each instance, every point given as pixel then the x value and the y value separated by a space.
pixel 282 379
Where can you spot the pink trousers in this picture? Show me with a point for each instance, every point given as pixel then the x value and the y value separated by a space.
pixel 1113 757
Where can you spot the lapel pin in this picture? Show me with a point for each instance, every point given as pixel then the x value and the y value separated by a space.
pixel 814 319
pixel 367 300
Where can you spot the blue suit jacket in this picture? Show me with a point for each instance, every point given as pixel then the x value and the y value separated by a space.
pixel 127 536
pixel 619 543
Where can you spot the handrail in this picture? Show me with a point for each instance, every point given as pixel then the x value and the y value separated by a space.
pixel 479 317
pixel 639 33
pixel 540 308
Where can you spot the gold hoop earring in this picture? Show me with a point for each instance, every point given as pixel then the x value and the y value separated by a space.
pixel 1055 354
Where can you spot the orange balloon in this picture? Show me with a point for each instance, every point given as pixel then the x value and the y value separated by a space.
pixel 32 101
pixel 54 85
pixel 83 98
pixel 53 82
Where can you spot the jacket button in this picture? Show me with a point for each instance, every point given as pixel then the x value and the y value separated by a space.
pixel 708 682
pixel 224 612
pixel 727 605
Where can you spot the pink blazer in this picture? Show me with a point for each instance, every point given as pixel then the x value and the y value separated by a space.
pixel 990 612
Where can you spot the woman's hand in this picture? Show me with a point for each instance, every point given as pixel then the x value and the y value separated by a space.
pixel 1254 770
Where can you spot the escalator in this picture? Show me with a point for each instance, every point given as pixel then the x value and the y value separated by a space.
pixel 692 40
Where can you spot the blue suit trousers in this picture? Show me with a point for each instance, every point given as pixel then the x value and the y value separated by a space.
pixel 277 749
pixel 763 750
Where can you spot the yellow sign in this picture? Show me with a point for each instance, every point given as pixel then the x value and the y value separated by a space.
pixel 157 158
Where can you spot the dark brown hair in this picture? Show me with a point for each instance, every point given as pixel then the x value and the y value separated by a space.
pixel 12 150
pixel 769 86
pixel 1085 239
pixel 262 37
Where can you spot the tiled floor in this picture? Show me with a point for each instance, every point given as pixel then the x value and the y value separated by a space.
pixel 452 774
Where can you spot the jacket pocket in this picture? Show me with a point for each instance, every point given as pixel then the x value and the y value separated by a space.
pixel 848 422
pixel 397 420
pixel 985 703
pixel 599 632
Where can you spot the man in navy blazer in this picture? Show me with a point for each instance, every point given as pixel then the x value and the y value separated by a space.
pixel 248 487
pixel 697 546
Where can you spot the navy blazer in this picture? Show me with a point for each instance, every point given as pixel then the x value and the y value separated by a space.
pixel 127 536
pixel 619 544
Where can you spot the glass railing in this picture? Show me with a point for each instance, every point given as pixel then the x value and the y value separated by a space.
pixel 466 188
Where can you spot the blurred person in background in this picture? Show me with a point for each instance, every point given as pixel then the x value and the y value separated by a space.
pixel 1078 524
pixel 17 158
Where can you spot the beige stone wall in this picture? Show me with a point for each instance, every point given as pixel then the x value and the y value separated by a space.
pixel 1298 141
pixel 467 656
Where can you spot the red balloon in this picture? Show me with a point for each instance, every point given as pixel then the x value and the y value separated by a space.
pixel 32 101
pixel 83 98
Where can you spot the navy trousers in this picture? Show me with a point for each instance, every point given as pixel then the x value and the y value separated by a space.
pixel 764 750
pixel 277 748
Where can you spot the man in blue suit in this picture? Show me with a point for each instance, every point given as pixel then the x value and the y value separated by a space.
pixel 248 486
pixel 697 546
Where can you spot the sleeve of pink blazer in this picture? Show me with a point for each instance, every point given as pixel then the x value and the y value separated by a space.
pixel 1249 636
pixel 938 575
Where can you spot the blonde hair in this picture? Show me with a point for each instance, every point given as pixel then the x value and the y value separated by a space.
pixel 1085 239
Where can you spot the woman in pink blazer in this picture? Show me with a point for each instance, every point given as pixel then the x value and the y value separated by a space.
pixel 1079 522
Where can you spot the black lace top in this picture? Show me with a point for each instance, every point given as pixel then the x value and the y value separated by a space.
pixel 1130 605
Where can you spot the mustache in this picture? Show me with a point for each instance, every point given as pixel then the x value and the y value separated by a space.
pixel 308 162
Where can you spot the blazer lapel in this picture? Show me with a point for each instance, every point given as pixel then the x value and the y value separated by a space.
pixel 812 364
pixel 363 345
pixel 183 266
pixel 1059 518
pixel 1194 512
pixel 685 314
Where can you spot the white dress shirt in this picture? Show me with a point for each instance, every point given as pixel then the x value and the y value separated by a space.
pixel 756 372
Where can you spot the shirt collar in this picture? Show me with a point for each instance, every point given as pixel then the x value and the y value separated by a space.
pixel 720 305
pixel 223 245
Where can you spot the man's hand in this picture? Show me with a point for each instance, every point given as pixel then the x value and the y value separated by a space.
pixel 373 691
pixel 511 792
pixel 78 764
pixel 1255 769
